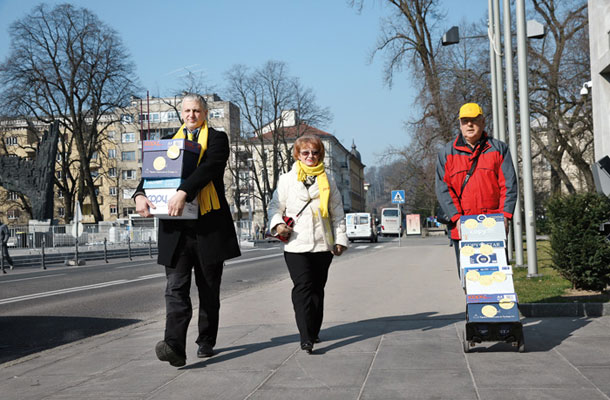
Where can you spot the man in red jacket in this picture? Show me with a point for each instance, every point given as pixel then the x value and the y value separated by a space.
pixel 491 187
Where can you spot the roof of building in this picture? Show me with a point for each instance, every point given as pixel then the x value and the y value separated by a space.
pixel 292 132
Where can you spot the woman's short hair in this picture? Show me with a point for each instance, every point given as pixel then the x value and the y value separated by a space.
pixel 312 140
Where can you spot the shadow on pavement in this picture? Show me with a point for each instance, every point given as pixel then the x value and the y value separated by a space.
pixel 344 334
pixel 21 335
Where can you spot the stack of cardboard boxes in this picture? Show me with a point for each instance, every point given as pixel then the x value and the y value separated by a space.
pixel 492 312
pixel 165 164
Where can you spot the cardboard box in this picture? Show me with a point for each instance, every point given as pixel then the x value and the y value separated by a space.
pixel 491 298
pixel 169 158
pixel 160 197
pixel 486 252
pixel 488 279
pixel 492 312
pixel 483 227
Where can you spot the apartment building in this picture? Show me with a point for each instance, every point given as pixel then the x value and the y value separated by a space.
pixel 116 166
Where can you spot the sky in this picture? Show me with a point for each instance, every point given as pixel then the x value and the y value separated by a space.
pixel 325 43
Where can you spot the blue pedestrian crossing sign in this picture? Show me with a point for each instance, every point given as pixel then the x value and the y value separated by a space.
pixel 398 196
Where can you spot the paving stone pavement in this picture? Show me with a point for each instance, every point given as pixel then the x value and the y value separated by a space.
pixel 393 323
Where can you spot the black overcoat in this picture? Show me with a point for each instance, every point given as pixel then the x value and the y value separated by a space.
pixel 216 237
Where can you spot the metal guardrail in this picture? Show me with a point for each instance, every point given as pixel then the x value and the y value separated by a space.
pixel 42 257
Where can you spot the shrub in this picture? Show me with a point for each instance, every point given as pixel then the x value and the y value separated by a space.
pixel 579 250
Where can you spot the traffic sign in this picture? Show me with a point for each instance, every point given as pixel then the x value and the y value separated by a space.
pixel 398 196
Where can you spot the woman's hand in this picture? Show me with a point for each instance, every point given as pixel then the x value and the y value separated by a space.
pixel 338 249
pixel 283 230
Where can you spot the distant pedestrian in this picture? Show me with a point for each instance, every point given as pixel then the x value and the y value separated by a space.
pixel 201 245
pixel 257 230
pixel 4 235
pixel 474 175
pixel 308 196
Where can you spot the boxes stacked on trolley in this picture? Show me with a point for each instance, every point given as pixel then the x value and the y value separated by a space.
pixel 492 312
pixel 165 165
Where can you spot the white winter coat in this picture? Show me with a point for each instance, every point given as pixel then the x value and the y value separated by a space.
pixel 308 235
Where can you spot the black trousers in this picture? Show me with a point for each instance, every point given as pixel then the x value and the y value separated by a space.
pixel 6 258
pixel 179 309
pixel 456 247
pixel 309 272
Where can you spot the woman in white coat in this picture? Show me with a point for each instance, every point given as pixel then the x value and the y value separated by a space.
pixel 311 198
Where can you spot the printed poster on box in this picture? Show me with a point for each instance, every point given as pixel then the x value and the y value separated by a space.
pixel 488 280
pixel 482 227
pixel 493 312
pixel 160 198
pixel 482 252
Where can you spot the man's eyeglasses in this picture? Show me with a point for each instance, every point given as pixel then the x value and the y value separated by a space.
pixel 308 153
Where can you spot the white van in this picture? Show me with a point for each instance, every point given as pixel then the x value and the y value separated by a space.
pixel 391 222
pixel 360 226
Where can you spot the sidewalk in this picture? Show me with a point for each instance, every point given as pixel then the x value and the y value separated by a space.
pixel 393 321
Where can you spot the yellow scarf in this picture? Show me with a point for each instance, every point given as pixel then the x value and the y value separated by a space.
pixel 303 171
pixel 207 197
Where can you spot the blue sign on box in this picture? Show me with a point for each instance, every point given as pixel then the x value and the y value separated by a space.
pixel 492 312
pixel 169 158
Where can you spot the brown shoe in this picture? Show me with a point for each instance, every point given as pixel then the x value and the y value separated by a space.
pixel 166 353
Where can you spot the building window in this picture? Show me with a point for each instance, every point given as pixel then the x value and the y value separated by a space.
pixel 128 137
pixel 129 174
pixel 13 214
pixel 112 190
pixel 58 174
pixel 60 194
pixel 111 135
pixel 128 155
pixel 13 196
pixel 94 173
pixel 113 210
pixel 59 157
pixel 128 210
pixel 128 193
pixel 127 118
pixel 172 116
pixel 112 172
pixel 111 153
pixel 94 155
pixel 11 141
pixel 61 211
pixel 216 113
pixel 154 117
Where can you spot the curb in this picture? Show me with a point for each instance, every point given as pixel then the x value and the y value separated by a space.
pixel 564 309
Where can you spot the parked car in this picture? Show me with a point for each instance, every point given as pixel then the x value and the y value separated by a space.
pixel 360 226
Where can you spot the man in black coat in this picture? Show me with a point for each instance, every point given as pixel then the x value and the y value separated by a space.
pixel 203 244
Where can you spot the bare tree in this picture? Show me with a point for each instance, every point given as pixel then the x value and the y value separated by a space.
pixel 559 65
pixel 264 96
pixel 67 65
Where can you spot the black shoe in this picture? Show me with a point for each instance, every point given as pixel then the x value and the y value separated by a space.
pixel 166 353
pixel 205 350
pixel 317 339
pixel 307 346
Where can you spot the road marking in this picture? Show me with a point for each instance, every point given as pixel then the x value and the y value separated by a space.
pixel 136 265
pixel 27 279
pixel 362 247
pixel 253 259
pixel 77 289
pixel 378 246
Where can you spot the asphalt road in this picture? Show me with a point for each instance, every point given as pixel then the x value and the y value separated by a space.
pixel 44 309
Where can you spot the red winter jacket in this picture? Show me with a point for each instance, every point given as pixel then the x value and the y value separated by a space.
pixel 492 188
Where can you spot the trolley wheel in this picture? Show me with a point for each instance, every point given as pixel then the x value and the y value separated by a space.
pixel 521 348
pixel 465 342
